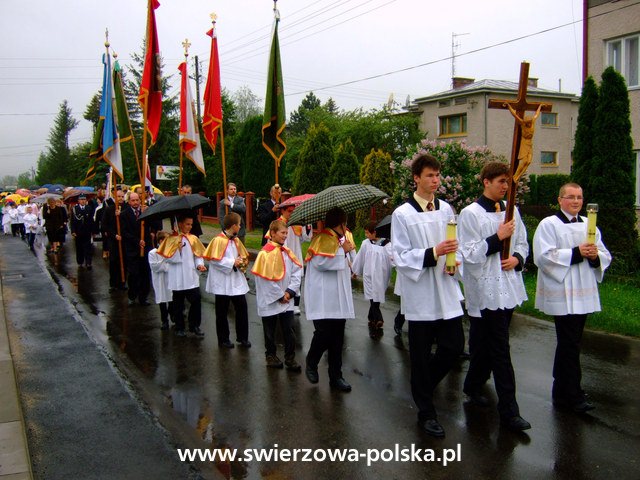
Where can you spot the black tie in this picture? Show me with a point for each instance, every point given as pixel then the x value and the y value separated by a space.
pixel 137 213
pixel 429 206
pixel 574 220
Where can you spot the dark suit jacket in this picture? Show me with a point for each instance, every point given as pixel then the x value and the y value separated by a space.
pixel 82 220
pixel 238 207
pixel 266 215
pixel 130 228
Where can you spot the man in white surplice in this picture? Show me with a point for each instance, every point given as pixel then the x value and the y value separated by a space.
pixel 569 270
pixel 430 297
pixel 493 287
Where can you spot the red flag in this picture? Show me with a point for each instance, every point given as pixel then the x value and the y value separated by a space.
pixel 150 96
pixel 212 119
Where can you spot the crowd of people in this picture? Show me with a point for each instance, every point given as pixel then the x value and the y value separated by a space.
pixel 141 254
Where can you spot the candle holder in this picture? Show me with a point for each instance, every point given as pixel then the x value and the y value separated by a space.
pixel 452 226
pixel 592 215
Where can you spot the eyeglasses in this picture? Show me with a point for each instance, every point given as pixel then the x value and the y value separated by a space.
pixel 572 198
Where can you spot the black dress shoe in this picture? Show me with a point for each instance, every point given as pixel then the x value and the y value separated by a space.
pixel 226 344
pixel 144 303
pixel 197 332
pixel 312 374
pixel 477 400
pixel 432 427
pixel 516 423
pixel 340 384
pixel 583 406
pixel 244 343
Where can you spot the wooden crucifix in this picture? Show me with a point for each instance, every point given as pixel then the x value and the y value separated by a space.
pixel 522 148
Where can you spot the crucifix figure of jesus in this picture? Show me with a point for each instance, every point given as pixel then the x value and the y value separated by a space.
pixel 522 147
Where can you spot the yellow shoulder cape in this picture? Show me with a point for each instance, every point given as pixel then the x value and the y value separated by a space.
pixel 170 245
pixel 325 244
pixel 270 264
pixel 216 248
pixel 297 229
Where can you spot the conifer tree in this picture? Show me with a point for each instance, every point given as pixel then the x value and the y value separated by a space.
pixel 345 169
pixel 314 162
pixel 583 150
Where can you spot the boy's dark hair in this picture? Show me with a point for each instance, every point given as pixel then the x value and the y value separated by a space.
pixel 335 217
pixel 492 170
pixel 183 216
pixel 371 226
pixel 231 219
pixel 423 161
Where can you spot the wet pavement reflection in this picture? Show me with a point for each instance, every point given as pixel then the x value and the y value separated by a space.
pixel 228 398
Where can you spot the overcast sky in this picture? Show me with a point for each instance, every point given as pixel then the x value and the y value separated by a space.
pixel 51 51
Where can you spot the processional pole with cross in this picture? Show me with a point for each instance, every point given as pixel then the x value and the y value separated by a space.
pixel 518 109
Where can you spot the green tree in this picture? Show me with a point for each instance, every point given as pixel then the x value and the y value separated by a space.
pixel 92 112
pixel 299 121
pixel 376 171
pixel 53 164
pixel 315 160
pixel 583 149
pixel 345 169
pixel 247 103
pixel 331 106
pixel 24 180
pixel 611 177
pixel 257 167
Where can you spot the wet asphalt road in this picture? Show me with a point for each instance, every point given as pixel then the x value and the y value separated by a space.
pixel 205 396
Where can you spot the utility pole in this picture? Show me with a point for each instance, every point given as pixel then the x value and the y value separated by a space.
pixel 454 46
pixel 195 59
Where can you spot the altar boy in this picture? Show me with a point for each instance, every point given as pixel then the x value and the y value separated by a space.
pixel 430 297
pixel 569 270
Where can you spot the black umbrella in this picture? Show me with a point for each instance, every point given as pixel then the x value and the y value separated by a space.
pixel 173 206
pixel 383 229
pixel 347 197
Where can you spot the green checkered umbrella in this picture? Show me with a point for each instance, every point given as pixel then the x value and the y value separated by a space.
pixel 348 197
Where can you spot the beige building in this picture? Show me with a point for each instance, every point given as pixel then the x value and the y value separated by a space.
pixel 462 114
pixel 612 38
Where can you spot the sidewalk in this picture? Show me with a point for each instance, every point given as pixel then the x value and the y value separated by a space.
pixel 81 417
pixel 14 452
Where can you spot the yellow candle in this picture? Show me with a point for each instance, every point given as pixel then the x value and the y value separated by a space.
pixel 451 235
pixel 592 215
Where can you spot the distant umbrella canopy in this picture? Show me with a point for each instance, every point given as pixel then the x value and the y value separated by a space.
pixel 174 206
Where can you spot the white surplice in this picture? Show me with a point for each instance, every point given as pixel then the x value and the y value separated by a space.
pixel 294 242
pixel 327 288
pixel 562 288
pixel 222 278
pixel 429 293
pixel 373 263
pixel 486 285
pixel 183 273
pixel 269 293
pixel 159 276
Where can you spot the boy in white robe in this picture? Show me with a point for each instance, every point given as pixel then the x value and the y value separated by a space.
pixel 430 297
pixel 278 273
pixel 328 297
pixel 493 287
pixel 297 234
pixel 184 254
pixel 228 260
pixel 373 263
pixel 160 281
pixel 569 270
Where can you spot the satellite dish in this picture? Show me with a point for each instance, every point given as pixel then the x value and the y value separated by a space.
pixel 390 101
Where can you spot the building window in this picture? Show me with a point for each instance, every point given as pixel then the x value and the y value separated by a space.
pixel 549 119
pixel 549 159
pixel 444 103
pixel 460 100
pixel 623 54
pixel 453 125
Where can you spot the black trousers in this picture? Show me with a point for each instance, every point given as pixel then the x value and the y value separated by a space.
pixel 166 309
pixel 84 249
pixel 490 353
pixel 222 322
pixel 139 277
pixel 427 369
pixel 195 315
pixel 567 373
pixel 31 238
pixel 374 315
pixel 269 325
pixel 328 336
